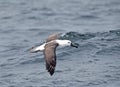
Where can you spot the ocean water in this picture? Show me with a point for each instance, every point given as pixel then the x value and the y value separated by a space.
pixel 93 24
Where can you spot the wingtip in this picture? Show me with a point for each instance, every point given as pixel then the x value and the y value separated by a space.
pixel 51 73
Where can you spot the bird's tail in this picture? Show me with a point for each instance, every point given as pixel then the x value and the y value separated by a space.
pixel 37 48
pixel 34 49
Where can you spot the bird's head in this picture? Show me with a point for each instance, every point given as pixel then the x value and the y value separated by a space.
pixel 67 43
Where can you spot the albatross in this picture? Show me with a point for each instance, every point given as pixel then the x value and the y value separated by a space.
pixel 49 50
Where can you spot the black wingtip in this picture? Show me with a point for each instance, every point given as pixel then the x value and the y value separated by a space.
pixel 51 73
pixel 50 70
pixel 51 67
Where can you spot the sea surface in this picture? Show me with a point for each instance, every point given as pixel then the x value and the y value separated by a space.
pixel 93 24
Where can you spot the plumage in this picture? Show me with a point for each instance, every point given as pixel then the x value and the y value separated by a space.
pixel 53 37
pixel 49 50
pixel 50 56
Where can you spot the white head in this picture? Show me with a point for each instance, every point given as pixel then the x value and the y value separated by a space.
pixel 66 43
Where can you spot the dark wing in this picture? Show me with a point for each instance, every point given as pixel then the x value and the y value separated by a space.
pixel 50 56
pixel 53 37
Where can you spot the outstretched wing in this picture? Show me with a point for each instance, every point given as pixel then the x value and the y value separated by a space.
pixel 50 56
pixel 53 37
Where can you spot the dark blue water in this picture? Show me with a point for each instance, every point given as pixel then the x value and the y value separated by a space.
pixel 94 24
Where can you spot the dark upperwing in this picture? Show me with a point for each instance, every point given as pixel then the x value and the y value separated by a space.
pixel 50 56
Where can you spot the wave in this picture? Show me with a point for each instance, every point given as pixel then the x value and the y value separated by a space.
pixel 100 42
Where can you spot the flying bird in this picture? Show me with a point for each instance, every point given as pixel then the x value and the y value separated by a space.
pixel 49 50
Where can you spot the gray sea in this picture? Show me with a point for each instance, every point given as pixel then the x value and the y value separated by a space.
pixel 93 24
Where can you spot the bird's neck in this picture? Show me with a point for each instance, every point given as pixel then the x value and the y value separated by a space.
pixel 61 43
